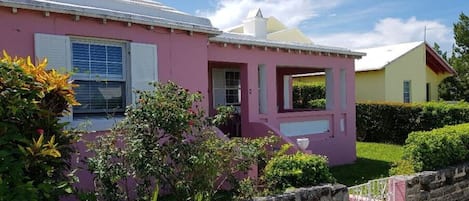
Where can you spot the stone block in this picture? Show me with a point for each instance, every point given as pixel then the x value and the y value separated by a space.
pixel 424 196
pixel 425 178
pixel 458 195
pixel 437 193
pixel 463 184
pixel 308 194
pixel 435 185
pixel 413 190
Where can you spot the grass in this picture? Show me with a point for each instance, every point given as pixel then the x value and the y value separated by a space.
pixel 373 162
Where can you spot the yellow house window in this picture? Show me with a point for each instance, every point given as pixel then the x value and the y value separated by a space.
pixel 407 91
pixel 428 90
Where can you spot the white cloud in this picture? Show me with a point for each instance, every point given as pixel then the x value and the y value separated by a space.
pixel 230 13
pixel 391 31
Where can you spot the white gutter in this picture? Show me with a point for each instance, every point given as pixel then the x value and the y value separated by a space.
pixel 112 15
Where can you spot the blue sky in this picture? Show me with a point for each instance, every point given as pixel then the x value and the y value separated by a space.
pixel 346 23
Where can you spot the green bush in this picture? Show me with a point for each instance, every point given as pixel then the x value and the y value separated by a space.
pixel 392 122
pixel 298 170
pixel 166 140
pixel 403 167
pixel 305 92
pixel 317 104
pixel 35 150
pixel 430 150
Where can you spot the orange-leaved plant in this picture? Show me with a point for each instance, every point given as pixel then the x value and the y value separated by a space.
pixel 32 100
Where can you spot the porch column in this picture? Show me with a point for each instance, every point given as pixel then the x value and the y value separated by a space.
pixel 262 78
pixel 252 92
pixel 272 107
pixel 330 89
pixel 287 92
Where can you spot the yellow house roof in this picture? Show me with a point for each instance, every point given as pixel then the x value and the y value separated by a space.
pixel 276 30
pixel 378 57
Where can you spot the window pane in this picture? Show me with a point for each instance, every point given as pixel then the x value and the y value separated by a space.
pixel 81 66
pixel 115 70
pixel 94 61
pixel 114 54
pixel 98 69
pixel 100 97
pixel 98 52
pixel 232 96
pixel 80 51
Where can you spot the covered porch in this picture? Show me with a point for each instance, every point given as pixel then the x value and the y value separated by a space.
pixel 263 94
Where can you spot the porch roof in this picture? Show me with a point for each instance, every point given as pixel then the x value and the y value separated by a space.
pixel 145 12
pixel 243 39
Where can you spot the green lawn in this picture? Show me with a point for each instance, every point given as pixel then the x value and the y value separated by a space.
pixel 373 162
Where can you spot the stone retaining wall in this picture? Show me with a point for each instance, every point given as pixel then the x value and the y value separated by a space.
pixel 327 192
pixel 447 184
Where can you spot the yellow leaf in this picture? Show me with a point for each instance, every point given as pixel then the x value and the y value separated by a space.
pixel 51 152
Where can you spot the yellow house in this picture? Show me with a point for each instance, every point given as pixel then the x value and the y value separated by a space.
pixel 407 72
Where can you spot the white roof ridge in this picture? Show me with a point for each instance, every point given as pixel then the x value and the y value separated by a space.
pixel 135 11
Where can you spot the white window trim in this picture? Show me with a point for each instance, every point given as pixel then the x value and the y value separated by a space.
pixel 101 119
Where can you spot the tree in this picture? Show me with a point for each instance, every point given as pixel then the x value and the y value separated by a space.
pixel 457 87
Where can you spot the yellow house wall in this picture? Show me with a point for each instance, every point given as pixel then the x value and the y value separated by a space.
pixel 369 86
pixel 434 80
pixel 410 66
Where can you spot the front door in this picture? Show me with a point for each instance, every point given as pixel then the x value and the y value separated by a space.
pixel 226 88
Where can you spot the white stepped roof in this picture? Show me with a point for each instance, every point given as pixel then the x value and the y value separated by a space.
pixel 378 57
pixel 146 12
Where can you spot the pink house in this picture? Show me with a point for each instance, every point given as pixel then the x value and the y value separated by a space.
pixel 115 46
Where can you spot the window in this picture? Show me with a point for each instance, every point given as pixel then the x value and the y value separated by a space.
pixel 428 89
pixel 100 71
pixel 103 70
pixel 233 88
pixel 226 86
pixel 407 91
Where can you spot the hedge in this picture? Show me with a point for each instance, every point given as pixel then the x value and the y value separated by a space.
pixel 297 170
pixel 392 122
pixel 305 92
pixel 438 148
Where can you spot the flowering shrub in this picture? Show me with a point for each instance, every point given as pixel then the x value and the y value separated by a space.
pixel 166 141
pixel 34 149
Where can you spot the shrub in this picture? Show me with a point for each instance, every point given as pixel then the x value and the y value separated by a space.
pixel 166 140
pixel 317 103
pixel 305 92
pixel 34 148
pixel 298 170
pixel 430 150
pixel 392 122
pixel 403 167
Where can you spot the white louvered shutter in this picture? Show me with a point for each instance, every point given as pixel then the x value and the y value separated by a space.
pixel 219 88
pixel 56 49
pixel 143 65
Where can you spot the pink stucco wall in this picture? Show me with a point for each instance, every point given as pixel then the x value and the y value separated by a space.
pixel 181 57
